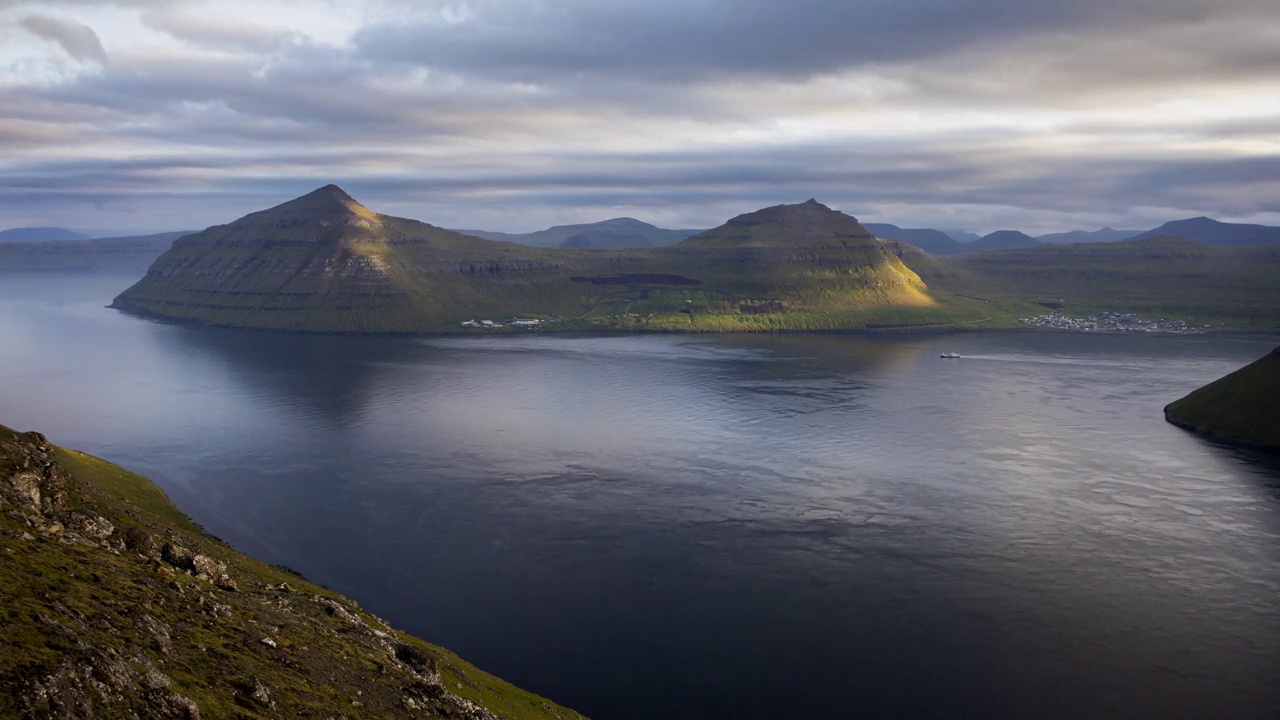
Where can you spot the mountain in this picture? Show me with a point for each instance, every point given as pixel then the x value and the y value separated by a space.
pixel 963 236
pixel 933 241
pixel 40 234
pixel 1000 240
pixel 1106 234
pixel 325 263
pixel 615 234
pixel 1240 408
pixel 115 604
pixel 1212 232
pixel 121 255
pixel 1157 277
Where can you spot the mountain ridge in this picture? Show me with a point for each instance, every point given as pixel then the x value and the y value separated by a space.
pixel 796 267
pixel 1215 232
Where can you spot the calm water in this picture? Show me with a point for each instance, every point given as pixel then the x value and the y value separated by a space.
pixel 715 527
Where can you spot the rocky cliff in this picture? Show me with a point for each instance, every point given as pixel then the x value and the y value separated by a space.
pixel 115 605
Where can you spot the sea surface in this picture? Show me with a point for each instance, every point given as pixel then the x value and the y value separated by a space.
pixel 715 527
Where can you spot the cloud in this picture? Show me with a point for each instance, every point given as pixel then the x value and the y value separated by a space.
pixel 78 40
pixel 227 32
pixel 520 113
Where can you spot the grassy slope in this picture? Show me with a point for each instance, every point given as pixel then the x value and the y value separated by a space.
pixel 320 667
pixel 1165 277
pixel 1243 407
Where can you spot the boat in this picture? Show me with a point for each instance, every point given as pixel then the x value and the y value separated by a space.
pixel 950 355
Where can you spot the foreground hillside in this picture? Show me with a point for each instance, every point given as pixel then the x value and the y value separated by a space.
pixel 1243 407
pixel 326 263
pixel 114 604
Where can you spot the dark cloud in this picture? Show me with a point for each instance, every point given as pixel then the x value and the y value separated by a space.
pixel 78 40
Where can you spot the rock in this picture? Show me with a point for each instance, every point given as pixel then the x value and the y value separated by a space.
pixel 260 694
pixel 159 632
pixel 335 609
pixel 206 568
pixel 268 642
pixel 141 542
pixel 422 663
pixel 26 490
pixel 96 527
pixel 178 556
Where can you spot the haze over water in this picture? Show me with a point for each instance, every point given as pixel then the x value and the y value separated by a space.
pixel 715 526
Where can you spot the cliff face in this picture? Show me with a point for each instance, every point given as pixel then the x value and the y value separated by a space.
pixel 113 604
pixel 1241 408
pixel 326 263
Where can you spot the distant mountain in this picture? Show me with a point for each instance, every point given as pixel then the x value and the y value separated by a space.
pixel 933 241
pixel 1239 408
pixel 1157 278
pixel 1106 234
pixel 615 234
pixel 963 236
pixel 1000 240
pixel 40 234
pixel 122 255
pixel 1212 232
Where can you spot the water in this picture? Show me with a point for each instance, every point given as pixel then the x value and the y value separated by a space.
pixel 818 526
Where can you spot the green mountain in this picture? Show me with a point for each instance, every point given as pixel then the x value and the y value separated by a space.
pixel 615 234
pixel 1159 277
pixel 114 604
pixel 1213 232
pixel 101 255
pixel 325 263
pixel 1241 408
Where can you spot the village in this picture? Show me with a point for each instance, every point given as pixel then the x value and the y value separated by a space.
pixel 526 323
pixel 1112 322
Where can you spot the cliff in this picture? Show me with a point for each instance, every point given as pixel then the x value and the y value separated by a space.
pixel 1241 408
pixel 114 604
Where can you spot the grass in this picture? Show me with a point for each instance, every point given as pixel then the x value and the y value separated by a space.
pixel 1243 407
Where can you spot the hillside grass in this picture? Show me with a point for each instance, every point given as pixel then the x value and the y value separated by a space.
pixel 1243 407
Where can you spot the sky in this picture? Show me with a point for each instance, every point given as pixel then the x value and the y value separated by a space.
pixel 520 114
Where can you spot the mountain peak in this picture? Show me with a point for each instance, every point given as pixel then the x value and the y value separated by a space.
pixel 804 224
pixel 330 203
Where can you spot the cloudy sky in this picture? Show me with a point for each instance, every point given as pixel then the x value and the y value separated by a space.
pixel 519 114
